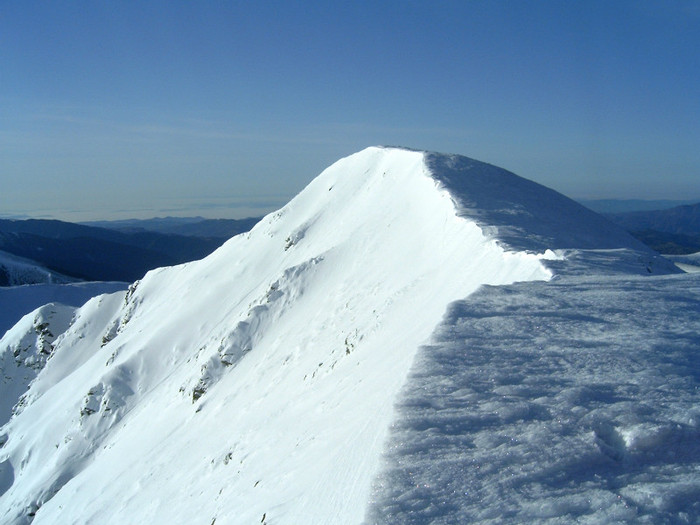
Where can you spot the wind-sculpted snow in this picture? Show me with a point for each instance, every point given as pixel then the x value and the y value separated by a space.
pixel 526 216
pixel 572 401
pixel 688 263
pixel 258 384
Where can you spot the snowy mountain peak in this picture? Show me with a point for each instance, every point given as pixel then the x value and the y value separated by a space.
pixel 258 384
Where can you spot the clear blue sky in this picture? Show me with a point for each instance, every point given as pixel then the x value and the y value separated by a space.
pixel 119 109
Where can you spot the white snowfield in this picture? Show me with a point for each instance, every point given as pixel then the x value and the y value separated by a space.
pixel 335 365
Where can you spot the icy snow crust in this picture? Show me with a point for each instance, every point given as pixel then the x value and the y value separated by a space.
pixel 574 401
pixel 260 384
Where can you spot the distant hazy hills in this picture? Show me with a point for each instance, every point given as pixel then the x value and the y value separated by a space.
pixel 606 206
pixel 673 231
pixel 122 251
pixel 681 219
pixel 189 226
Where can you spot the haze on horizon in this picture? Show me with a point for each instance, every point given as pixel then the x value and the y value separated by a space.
pixel 111 110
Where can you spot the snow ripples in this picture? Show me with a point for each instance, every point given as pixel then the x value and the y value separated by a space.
pixel 552 403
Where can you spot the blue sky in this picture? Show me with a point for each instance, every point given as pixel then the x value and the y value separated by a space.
pixel 118 109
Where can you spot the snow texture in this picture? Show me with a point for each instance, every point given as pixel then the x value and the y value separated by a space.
pixel 688 263
pixel 307 371
pixel 570 401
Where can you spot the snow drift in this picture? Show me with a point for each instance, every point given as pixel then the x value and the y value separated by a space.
pixel 258 384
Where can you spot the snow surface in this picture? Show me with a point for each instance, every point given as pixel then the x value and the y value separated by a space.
pixel 688 263
pixel 16 271
pixel 16 301
pixel 260 385
pixel 570 401
pixel 24 350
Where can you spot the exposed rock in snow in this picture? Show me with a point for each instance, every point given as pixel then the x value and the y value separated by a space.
pixel 24 351
pixel 16 301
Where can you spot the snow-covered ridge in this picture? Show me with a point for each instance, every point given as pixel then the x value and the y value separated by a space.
pixel 524 215
pixel 15 271
pixel 16 301
pixel 24 350
pixel 258 384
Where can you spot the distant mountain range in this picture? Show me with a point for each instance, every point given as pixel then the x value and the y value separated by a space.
pixel 188 226
pixel 121 251
pixel 51 251
pixel 684 220
pixel 628 205
pixel 672 231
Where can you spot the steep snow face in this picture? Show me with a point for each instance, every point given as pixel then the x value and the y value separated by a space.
pixel 256 385
pixel 524 215
pixel 25 349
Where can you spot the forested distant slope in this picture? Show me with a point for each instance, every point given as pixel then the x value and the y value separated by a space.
pixel 102 254
pixel 673 231
pixel 190 226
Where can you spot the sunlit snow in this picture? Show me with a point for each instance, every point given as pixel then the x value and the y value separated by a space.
pixel 414 338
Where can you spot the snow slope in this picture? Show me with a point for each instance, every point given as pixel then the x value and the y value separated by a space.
pixel 259 384
pixel 688 263
pixel 24 350
pixel 15 271
pixel 16 301
pixel 571 401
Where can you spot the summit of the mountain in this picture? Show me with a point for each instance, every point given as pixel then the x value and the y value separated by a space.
pixel 258 385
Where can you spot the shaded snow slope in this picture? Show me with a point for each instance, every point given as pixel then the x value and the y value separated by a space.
pixel 527 215
pixel 258 385
pixel 524 215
